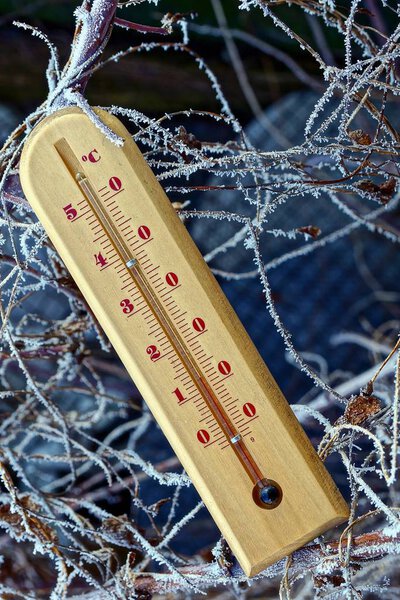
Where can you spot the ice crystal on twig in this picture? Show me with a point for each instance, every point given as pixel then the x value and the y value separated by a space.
pixel 73 430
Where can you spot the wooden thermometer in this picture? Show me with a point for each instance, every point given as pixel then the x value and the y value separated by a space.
pixel 179 338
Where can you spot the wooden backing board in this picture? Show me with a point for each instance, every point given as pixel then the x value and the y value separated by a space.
pixel 311 502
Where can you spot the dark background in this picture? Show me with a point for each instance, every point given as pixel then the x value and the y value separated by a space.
pixel 149 82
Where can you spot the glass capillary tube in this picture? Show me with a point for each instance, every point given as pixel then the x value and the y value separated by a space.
pixel 164 320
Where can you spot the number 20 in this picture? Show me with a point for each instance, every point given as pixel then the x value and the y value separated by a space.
pixel 153 352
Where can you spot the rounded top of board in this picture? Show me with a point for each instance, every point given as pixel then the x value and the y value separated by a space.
pixel 73 114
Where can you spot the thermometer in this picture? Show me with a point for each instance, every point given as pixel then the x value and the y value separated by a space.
pixel 179 338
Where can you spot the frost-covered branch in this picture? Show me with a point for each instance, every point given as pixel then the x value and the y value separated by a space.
pixel 89 507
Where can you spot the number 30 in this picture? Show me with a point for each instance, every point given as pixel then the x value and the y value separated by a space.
pixel 126 305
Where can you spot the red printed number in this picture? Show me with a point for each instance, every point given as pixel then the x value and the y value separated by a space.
pixel 100 260
pixel 115 183
pixel 249 409
pixel 154 353
pixel 179 395
pixel 70 211
pixel 172 279
pixel 203 436
pixel 224 367
pixel 127 306
pixel 198 324
pixel 144 232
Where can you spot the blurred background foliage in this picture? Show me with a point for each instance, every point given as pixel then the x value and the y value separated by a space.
pixel 148 82
pixel 340 288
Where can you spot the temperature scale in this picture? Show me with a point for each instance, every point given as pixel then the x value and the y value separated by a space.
pixel 179 338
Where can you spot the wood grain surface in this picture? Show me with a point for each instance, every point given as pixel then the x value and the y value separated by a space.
pixel 208 325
